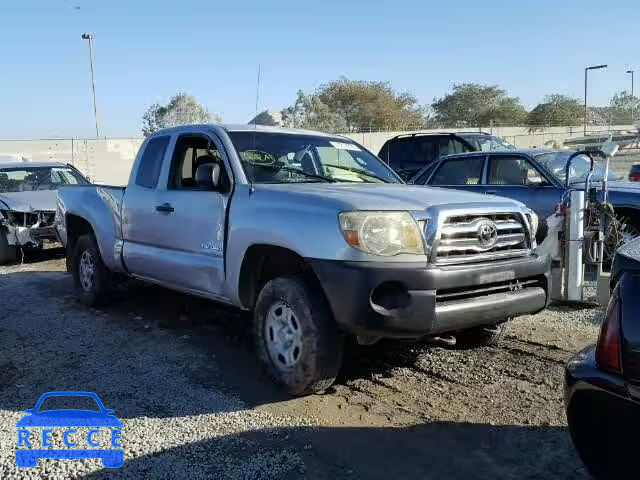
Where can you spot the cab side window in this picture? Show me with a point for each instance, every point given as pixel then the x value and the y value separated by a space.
pixel 190 152
pixel 515 171
pixel 459 171
pixel 151 162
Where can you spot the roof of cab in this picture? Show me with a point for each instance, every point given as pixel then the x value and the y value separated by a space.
pixel 20 165
pixel 247 128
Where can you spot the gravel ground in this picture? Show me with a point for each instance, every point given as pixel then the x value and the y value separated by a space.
pixel 181 375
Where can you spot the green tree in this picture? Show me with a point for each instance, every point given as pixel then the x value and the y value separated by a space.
pixel 473 104
pixel 182 109
pixel 309 112
pixel 356 105
pixel 556 110
pixel 624 107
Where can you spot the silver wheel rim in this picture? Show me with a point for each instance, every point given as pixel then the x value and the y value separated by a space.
pixel 87 271
pixel 283 336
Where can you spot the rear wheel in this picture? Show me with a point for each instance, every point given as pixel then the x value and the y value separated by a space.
pixel 8 253
pixel 92 279
pixel 296 337
pixel 487 336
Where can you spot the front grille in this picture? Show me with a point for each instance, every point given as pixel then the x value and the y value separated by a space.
pixel 456 294
pixel 481 236
pixel 31 219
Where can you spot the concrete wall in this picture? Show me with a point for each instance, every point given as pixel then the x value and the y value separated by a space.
pixel 518 136
pixel 109 161
pixel 104 161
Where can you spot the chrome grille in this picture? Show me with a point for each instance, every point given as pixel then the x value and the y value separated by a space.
pixel 481 236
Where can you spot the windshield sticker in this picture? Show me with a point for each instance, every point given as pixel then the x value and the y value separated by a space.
pixel 345 146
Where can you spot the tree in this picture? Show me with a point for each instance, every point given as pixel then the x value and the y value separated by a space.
pixel 182 109
pixel 309 112
pixel 556 110
pixel 623 107
pixel 356 105
pixel 473 104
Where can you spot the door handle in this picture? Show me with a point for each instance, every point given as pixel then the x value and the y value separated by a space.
pixel 490 192
pixel 165 208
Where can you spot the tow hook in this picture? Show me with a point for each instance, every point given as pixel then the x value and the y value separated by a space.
pixel 447 340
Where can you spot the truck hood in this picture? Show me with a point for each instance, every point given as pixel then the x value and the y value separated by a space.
pixel 375 196
pixel 29 201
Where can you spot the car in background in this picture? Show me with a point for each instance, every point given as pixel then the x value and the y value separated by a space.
pixel 634 173
pixel 28 203
pixel 409 153
pixel 602 382
pixel 535 177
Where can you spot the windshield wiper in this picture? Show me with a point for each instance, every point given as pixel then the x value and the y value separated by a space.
pixel 357 170
pixel 277 168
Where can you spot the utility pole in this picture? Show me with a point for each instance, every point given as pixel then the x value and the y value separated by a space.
pixel 586 71
pixel 632 98
pixel 89 37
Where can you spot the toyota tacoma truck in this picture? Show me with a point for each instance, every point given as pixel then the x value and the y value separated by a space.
pixel 313 234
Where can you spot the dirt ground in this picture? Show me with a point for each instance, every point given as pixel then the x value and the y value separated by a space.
pixel 181 374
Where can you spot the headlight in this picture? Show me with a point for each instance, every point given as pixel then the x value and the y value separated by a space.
pixel 533 221
pixel 382 233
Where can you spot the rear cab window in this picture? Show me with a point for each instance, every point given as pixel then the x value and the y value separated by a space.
pixel 151 162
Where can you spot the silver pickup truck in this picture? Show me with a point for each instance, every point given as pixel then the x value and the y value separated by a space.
pixel 315 235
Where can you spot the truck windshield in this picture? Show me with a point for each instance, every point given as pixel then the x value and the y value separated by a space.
pixel 27 179
pixel 293 158
pixel 556 163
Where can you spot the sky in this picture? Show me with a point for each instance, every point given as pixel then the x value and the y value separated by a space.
pixel 147 51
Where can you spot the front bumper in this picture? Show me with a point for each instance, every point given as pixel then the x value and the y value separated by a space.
pixel 412 300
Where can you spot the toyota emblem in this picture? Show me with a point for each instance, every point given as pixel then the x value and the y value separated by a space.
pixel 487 233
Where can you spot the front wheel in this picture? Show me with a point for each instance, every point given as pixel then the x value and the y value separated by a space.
pixel 91 278
pixel 296 337
pixel 486 336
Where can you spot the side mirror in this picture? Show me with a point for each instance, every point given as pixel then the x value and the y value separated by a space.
pixel 208 176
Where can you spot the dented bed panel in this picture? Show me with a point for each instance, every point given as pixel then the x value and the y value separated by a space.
pixel 101 207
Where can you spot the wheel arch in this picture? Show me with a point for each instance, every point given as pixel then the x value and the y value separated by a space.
pixel 264 262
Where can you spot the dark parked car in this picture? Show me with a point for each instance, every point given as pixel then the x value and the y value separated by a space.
pixel 634 173
pixel 602 382
pixel 535 177
pixel 407 154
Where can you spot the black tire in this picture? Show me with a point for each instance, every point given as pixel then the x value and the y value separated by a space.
pixel 8 253
pixel 477 337
pixel 322 344
pixel 97 290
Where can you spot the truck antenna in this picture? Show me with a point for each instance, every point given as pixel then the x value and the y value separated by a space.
pixel 255 127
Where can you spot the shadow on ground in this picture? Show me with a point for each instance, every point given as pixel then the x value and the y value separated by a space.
pixel 428 451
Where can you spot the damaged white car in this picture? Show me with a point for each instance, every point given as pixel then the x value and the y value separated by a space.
pixel 28 204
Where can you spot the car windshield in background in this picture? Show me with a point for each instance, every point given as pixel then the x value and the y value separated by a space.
pixel 486 143
pixel 556 163
pixel 28 179
pixel 288 158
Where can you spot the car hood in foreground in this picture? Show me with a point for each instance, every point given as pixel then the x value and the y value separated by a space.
pixel 376 196
pixel 29 201
pixel 69 418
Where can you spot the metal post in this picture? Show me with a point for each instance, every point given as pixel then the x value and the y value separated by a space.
pixel 585 101
pixel 575 274
pixel 632 99
pixel 595 67
pixel 89 37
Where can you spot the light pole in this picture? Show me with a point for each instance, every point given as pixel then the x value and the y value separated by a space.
pixel 89 36
pixel 586 70
pixel 632 99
